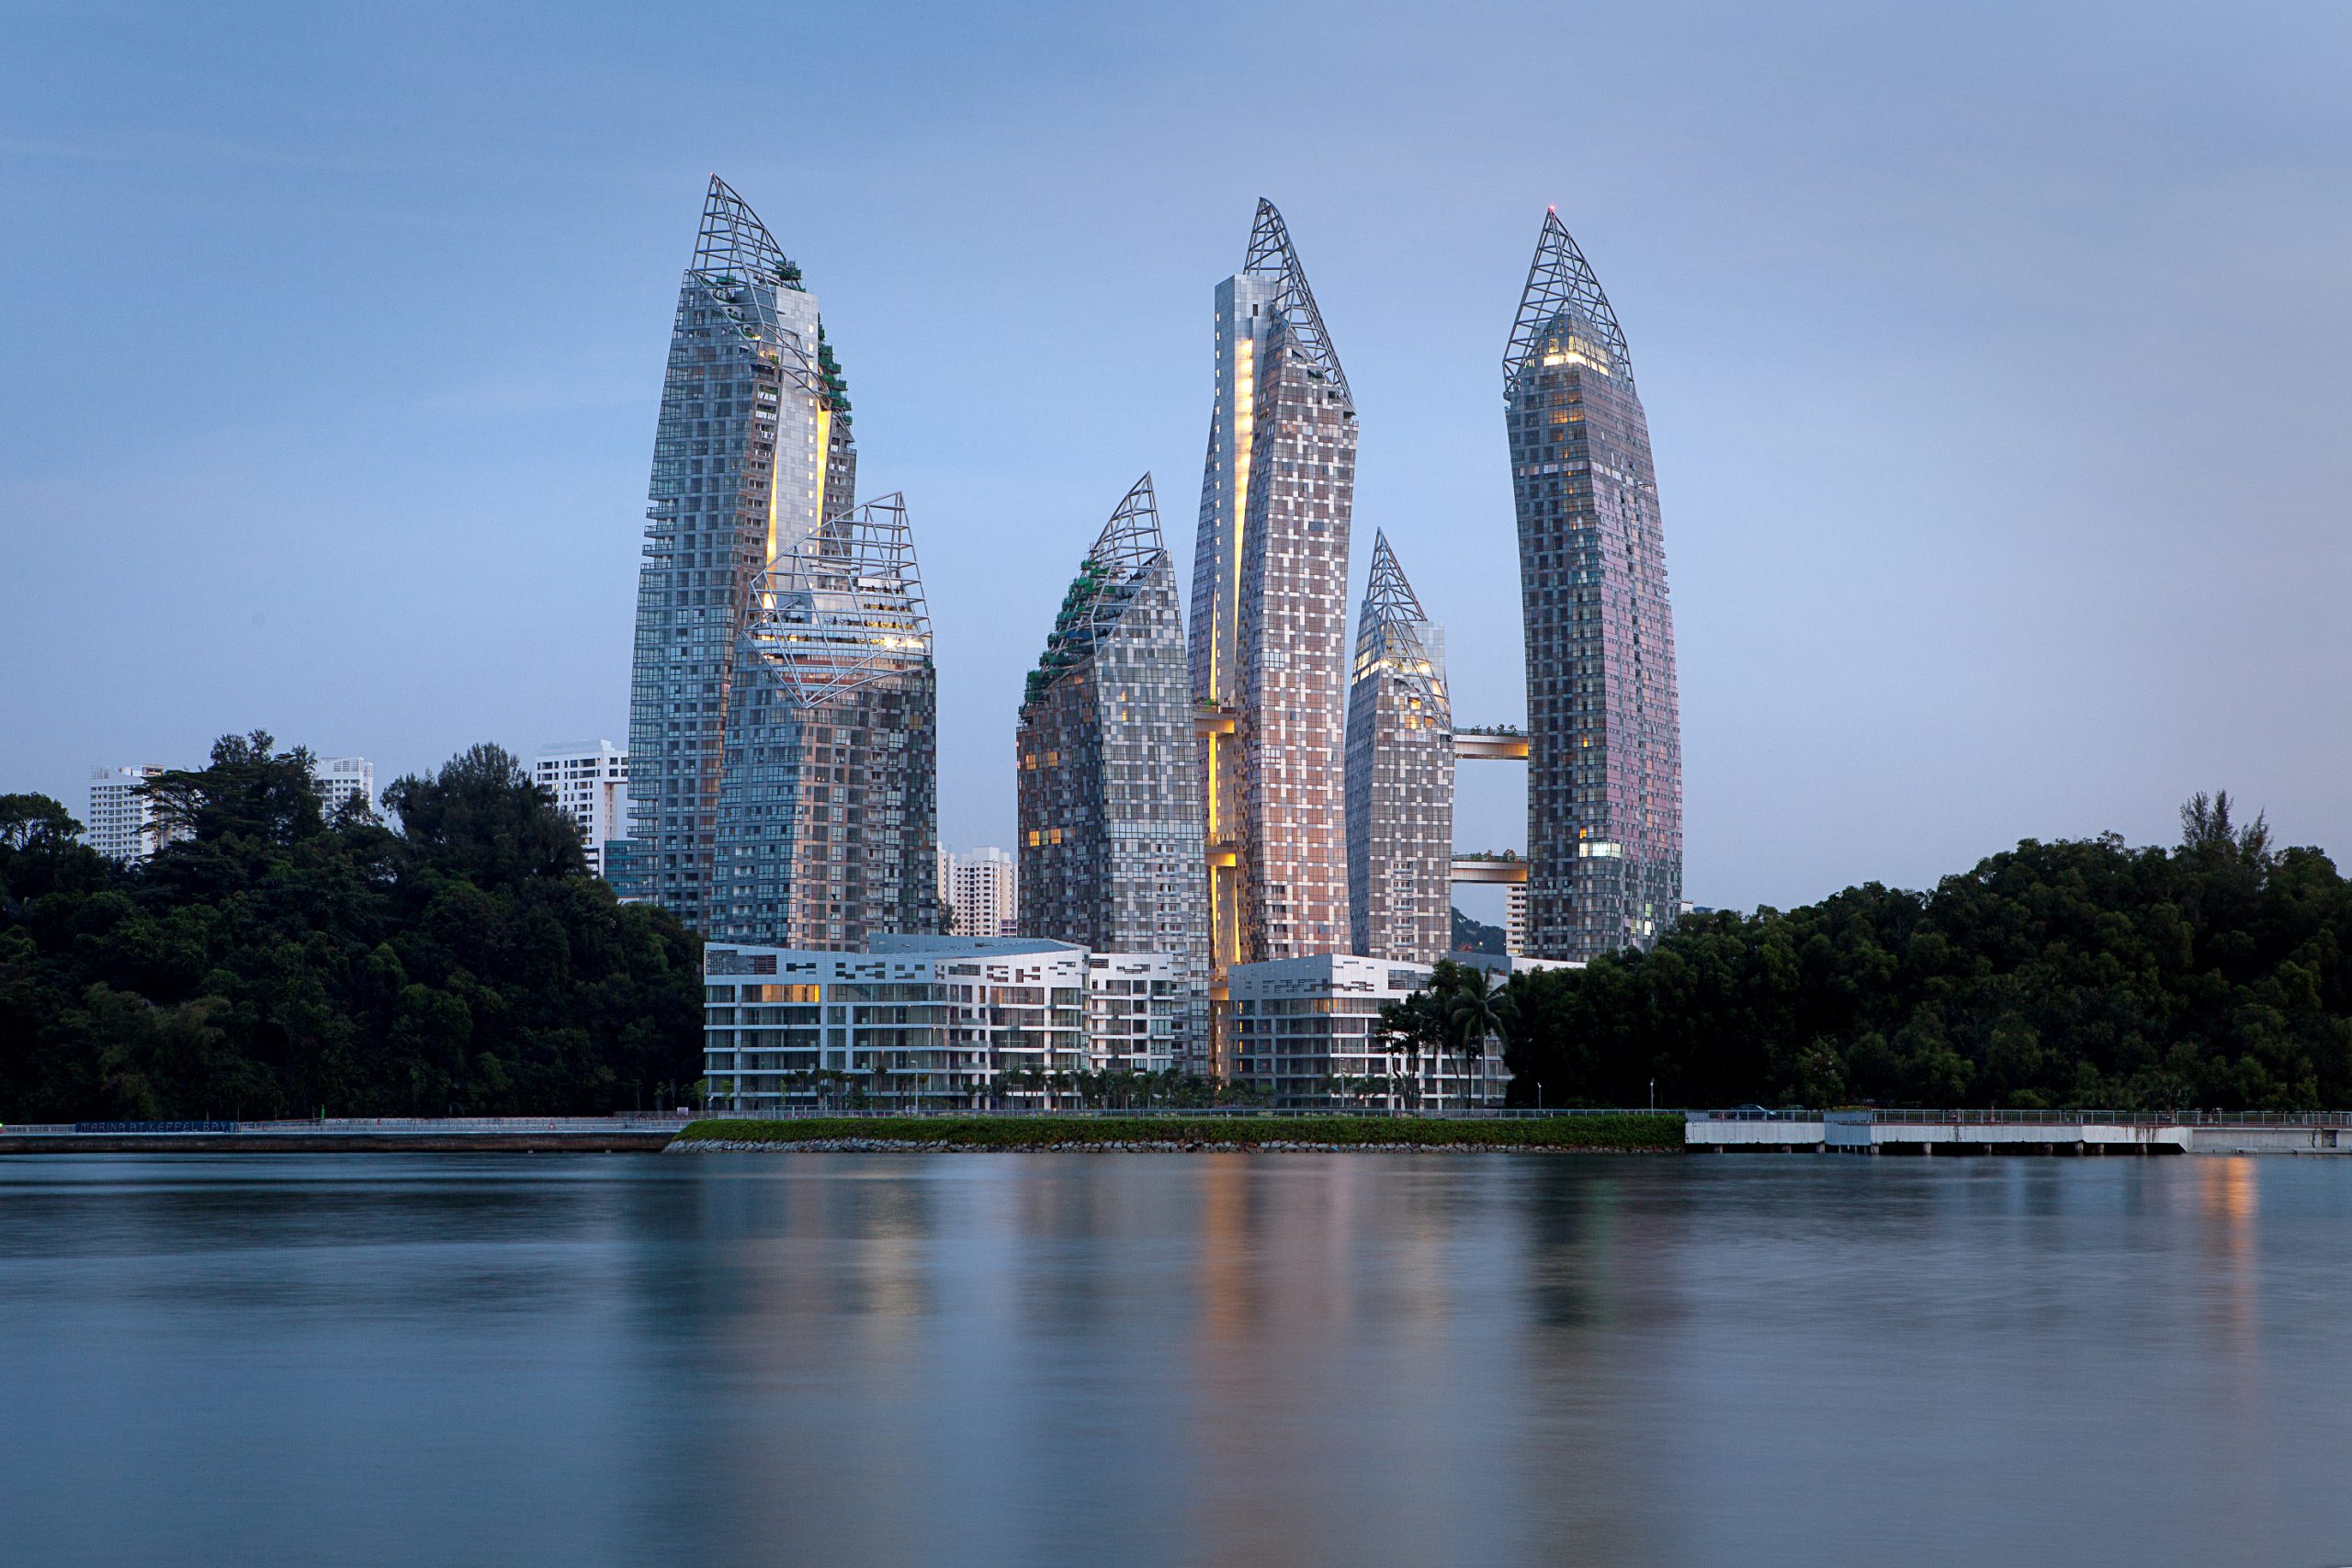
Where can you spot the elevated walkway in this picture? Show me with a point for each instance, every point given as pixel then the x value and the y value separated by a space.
pixel 1497 745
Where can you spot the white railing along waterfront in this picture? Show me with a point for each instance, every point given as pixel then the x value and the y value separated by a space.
pixel 1922 1117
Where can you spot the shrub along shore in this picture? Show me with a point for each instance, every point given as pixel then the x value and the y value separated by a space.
pixel 1632 1131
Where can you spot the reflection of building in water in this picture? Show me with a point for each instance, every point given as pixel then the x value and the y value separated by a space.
pixel 2229 1194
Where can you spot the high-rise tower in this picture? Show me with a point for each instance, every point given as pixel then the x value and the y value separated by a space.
pixel 752 451
pixel 1109 780
pixel 1401 776
pixel 1604 787
pixel 1269 579
pixel 828 805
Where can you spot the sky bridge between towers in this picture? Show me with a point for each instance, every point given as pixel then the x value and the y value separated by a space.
pixel 1493 743
pixel 1496 743
pixel 1500 743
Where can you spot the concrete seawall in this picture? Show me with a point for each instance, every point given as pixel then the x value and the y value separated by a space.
pixel 330 1143
pixel 484 1135
pixel 1957 1133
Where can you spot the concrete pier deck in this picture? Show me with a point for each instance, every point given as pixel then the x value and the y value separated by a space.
pixel 1954 1133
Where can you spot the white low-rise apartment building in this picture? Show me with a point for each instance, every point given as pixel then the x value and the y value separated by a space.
pixel 1135 1011
pixel 942 1022
pixel 1305 1027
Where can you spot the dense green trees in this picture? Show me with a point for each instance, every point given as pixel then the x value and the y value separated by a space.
pixel 1455 1017
pixel 2218 974
pixel 277 962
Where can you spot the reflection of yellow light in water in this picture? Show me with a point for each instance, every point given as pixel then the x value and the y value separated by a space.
pixel 1225 1248
pixel 2227 1201
pixel 2227 1192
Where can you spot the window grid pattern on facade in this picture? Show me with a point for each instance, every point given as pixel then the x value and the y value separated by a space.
pixel 752 454
pixel 1269 608
pixel 828 825
pixel 1605 797
pixel 1401 776
pixel 1108 781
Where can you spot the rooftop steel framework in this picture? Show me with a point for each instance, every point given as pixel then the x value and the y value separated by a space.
pixel 1271 256
pixel 740 264
pixel 1394 626
pixel 1560 282
pixel 845 607
pixel 1131 540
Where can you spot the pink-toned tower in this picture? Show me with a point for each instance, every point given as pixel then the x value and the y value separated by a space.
pixel 1269 630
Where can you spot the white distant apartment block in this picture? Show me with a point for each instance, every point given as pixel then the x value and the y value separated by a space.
pixel 345 778
pixel 589 782
pixel 982 887
pixel 1515 918
pixel 122 825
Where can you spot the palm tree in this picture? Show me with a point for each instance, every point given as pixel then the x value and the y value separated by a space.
pixel 1415 1022
pixel 1477 1010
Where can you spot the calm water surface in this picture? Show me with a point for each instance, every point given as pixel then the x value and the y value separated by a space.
pixel 1153 1359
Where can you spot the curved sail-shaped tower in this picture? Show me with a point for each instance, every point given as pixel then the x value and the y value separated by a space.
pixel 1604 788
pixel 1109 782
pixel 1401 776
pixel 828 810
pixel 1269 630
pixel 752 453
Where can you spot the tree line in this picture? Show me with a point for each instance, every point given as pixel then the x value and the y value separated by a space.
pixel 2216 973
pixel 274 960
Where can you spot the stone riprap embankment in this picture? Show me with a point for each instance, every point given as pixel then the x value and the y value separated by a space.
pixel 1123 1145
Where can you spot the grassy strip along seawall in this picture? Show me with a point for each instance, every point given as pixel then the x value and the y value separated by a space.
pixel 1634 1131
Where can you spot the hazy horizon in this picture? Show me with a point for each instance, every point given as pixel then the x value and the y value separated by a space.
pixel 1990 358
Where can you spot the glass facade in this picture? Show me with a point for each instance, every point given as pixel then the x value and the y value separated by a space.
pixel 1270 614
pixel 1108 783
pixel 1604 795
pixel 752 453
pixel 828 817
pixel 1401 776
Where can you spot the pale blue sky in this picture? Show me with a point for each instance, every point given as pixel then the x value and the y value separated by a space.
pixel 1993 355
